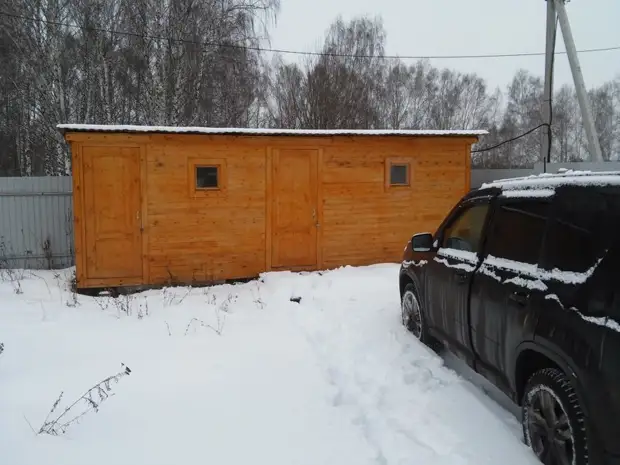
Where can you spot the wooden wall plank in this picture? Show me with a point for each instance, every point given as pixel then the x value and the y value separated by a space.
pixel 239 141
pixel 467 157
pixel 144 220
pixel 78 214
pixel 268 208
pixel 320 208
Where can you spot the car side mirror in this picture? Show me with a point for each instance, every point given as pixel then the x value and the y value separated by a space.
pixel 422 242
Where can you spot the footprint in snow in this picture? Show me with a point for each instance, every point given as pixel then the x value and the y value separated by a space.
pixel 422 376
pixel 338 399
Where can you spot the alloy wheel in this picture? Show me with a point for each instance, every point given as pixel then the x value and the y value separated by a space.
pixel 411 314
pixel 549 429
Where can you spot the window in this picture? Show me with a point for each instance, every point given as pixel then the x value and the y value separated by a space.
pixel 397 173
pixel 207 177
pixel 580 229
pixel 465 231
pixel 584 229
pixel 518 229
pixel 598 295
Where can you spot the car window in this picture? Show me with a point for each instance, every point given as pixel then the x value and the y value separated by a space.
pixel 517 230
pixel 465 231
pixel 582 225
pixel 600 296
pixel 614 311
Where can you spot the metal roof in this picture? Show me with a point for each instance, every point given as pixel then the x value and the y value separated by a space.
pixel 264 132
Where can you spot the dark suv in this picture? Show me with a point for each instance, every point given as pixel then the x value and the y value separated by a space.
pixel 522 281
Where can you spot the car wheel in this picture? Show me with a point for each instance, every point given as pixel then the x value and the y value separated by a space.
pixel 411 313
pixel 553 421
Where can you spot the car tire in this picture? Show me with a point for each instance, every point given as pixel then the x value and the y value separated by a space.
pixel 412 315
pixel 553 420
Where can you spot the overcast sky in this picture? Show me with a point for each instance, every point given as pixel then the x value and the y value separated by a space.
pixel 458 27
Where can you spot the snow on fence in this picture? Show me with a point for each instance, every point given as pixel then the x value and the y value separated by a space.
pixel 36 222
pixel 36 219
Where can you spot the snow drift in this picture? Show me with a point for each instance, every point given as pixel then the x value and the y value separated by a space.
pixel 239 374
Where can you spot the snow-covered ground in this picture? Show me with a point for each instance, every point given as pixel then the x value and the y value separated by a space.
pixel 333 379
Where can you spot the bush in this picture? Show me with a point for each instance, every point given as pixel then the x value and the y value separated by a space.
pixel 90 400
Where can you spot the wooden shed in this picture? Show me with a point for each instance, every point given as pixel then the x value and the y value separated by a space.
pixel 154 205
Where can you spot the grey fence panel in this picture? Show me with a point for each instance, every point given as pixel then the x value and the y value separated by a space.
pixel 582 166
pixel 480 176
pixel 36 222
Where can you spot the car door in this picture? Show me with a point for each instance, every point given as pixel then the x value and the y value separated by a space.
pixel 449 273
pixel 582 272
pixel 507 288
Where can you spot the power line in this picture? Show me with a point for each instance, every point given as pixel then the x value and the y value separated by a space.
pixel 297 52
pixel 486 149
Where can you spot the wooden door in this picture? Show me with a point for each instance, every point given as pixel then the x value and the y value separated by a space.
pixel 294 209
pixel 112 213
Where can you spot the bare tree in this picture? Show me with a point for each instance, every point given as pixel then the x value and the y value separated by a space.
pixel 190 62
pixel 182 62
pixel 398 95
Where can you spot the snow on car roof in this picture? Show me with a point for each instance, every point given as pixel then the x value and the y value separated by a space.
pixel 266 131
pixel 540 182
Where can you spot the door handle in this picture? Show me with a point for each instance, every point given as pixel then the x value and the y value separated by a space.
pixel 462 276
pixel 520 298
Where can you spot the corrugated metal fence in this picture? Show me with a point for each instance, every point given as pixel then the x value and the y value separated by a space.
pixel 36 222
pixel 480 176
pixel 36 219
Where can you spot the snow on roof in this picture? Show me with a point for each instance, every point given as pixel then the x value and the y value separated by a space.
pixel 265 132
pixel 543 181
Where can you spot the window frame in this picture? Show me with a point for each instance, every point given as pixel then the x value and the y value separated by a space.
pixel 195 163
pixel 398 161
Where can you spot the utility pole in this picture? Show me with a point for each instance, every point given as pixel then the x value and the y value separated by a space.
pixel 580 86
pixel 545 147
